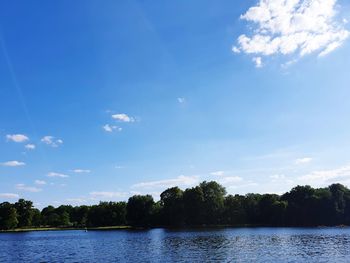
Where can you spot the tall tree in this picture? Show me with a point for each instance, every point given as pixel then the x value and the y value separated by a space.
pixel 173 207
pixel 214 196
pixel 234 213
pixel 8 216
pixel 139 210
pixel 193 199
pixel 24 212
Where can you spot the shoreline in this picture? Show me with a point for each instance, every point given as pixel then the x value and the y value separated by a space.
pixel 109 228
pixel 33 229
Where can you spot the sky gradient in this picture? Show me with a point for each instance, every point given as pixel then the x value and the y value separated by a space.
pixel 103 100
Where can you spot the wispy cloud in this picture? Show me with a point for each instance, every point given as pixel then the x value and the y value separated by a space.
pixel 181 100
pixel 303 160
pixel 257 61
pixel 229 180
pixel 218 173
pixel 280 179
pixel 17 137
pixel 122 117
pixel 30 146
pixel 54 174
pixel 9 196
pixel 76 200
pixel 25 188
pixel 51 141
pixel 292 27
pixel 326 177
pixel 40 182
pixel 106 194
pixel 13 163
pixel 111 128
pixel 80 171
pixel 179 181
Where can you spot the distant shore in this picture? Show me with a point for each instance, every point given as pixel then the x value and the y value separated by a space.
pixel 64 228
pixel 106 228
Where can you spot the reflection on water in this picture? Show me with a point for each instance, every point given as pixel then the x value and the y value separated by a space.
pixel 160 245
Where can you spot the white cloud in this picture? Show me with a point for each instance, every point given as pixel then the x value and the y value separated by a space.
pixel 247 184
pixel 17 137
pixel 9 195
pixel 123 117
pixel 76 200
pixel 257 61
pixel 111 128
pixel 280 179
pixel 179 181
pixel 51 141
pixel 25 188
pixel 236 50
pixel 53 174
pixel 13 163
pixel 218 173
pixel 103 194
pixel 303 160
pixel 229 180
pixel 292 27
pixel 226 181
pixel 30 146
pixel 40 182
pixel 181 100
pixel 277 176
pixel 326 177
pixel 79 171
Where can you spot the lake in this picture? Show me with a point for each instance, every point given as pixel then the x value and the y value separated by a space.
pixel 162 245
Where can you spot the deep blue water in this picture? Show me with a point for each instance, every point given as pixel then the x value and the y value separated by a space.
pixel 161 245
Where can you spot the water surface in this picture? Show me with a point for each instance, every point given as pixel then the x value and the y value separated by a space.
pixel 161 245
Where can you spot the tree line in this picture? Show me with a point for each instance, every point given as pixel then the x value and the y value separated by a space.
pixel 205 204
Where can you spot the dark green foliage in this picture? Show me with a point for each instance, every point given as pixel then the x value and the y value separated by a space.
pixel 8 216
pixel 79 216
pixel 107 214
pixel 36 221
pixel 194 206
pixel 139 210
pixel 173 207
pixel 302 203
pixel 24 212
pixel 206 204
pixel 213 205
pixel 234 214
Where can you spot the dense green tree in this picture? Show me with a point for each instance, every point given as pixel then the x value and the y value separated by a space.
pixel 213 205
pixel 36 219
pixel 272 210
pixel 49 216
pixel 157 216
pixel 300 211
pixel 173 207
pixel 234 213
pixel 193 199
pixel 251 206
pixel 340 196
pixel 206 204
pixel 79 215
pixel 107 214
pixel 24 212
pixel 139 210
pixel 8 216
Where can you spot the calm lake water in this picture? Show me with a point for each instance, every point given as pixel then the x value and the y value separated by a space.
pixel 160 245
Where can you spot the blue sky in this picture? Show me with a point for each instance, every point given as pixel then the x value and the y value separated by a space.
pixel 103 100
